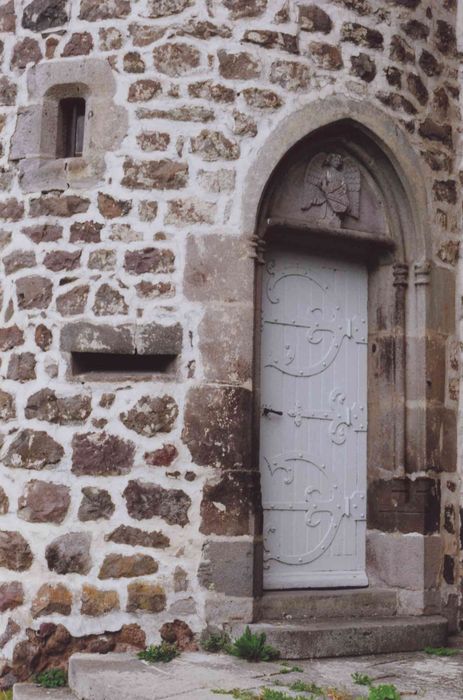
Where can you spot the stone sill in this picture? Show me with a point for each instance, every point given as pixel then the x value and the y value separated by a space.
pixel 44 173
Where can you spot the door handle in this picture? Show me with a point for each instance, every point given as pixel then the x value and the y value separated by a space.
pixel 266 410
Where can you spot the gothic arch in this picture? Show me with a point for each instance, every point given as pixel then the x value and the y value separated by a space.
pixel 377 141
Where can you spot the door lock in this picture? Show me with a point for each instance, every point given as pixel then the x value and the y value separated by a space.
pixel 266 410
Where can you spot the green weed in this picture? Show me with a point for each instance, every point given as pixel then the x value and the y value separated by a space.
pixel 301 686
pixel 164 652
pixel 270 694
pixel 52 678
pixel 376 692
pixel 6 694
pixel 362 679
pixel 383 692
pixel 441 651
pixel 253 647
pixel 290 669
pixel 216 642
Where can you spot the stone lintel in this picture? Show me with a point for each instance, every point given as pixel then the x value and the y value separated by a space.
pixel 126 339
pixel 88 71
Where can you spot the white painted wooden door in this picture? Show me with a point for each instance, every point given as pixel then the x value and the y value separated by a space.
pixel 313 429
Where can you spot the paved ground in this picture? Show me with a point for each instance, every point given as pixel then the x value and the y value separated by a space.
pixel 196 676
pixel 416 675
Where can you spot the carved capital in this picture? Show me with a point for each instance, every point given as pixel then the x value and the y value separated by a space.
pixel 422 272
pixel 257 247
pixel 400 273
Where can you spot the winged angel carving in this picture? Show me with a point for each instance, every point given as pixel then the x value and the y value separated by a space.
pixel 332 187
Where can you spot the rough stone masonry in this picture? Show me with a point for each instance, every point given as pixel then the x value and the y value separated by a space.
pixel 114 488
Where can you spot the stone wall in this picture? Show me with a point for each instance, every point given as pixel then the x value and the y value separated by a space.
pixel 113 485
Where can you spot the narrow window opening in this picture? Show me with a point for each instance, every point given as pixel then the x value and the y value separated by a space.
pixel 71 124
pixel 100 363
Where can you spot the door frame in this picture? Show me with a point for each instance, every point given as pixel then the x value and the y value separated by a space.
pixel 374 252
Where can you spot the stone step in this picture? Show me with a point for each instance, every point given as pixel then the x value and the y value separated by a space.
pixel 312 605
pixel 30 691
pixel 353 636
pixel 192 676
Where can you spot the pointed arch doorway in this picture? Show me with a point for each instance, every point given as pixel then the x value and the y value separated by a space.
pixel 331 260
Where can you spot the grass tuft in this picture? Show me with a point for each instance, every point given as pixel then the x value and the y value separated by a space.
pixel 362 679
pixel 253 647
pixel 52 678
pixel 383 692
pixel 441 651
pixel 290 669
pixel 216 642
pixel 303 687
pixel 164 652
pixel 270 694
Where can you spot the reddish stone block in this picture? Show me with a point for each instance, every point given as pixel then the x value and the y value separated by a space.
pixel 405 505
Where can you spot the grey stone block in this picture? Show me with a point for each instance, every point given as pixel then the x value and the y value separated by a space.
pixel 225 342
pixel 306 605
pixel 221 610
pixel 410 561
pixel 41 174
pixel 218 268
pixel 156 339
pixel 353 637
pixel 26 138
pixel 126 339
pixel 89 337
pixel 228 567
pixel 88 71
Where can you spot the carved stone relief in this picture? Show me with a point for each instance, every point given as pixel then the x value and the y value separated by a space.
pixel 332 187
pixel 329 189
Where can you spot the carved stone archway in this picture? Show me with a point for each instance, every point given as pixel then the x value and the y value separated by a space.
pixel 407 341
pixel 338 189
pixel 402 162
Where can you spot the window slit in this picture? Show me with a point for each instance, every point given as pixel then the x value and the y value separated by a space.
pixel 71 125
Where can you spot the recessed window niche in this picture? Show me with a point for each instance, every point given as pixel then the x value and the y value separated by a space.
pixel 70 123
pixel 100 352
